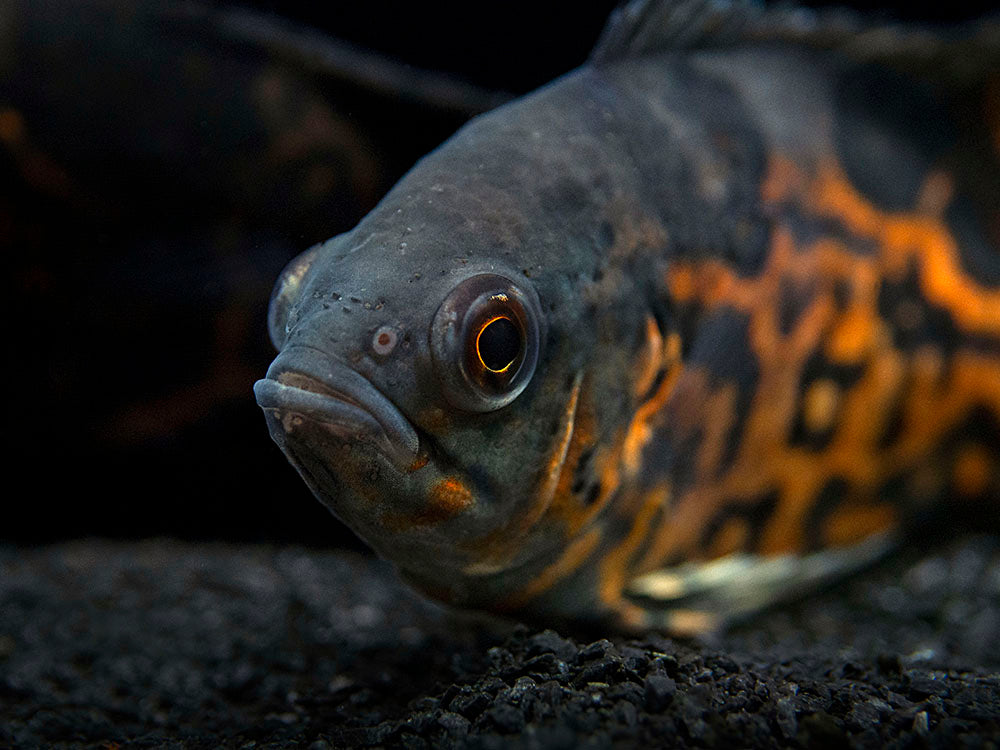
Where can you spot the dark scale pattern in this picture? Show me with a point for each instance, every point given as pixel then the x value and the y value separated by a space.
pixel 163 644
pixel 723 348
pixel 866 135
pixel 916 322
pixel 756 513
pixel 829 498
pixel 968 221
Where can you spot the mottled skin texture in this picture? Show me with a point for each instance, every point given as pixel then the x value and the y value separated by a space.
pixel 771 324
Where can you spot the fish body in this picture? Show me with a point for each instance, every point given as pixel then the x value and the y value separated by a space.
pixel 735 303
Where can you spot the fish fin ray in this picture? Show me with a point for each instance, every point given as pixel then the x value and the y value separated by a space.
pixel 645 27
pixel 702 598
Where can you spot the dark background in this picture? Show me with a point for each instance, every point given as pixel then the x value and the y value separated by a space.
pixel 156 173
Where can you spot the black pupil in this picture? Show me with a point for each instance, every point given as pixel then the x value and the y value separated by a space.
pixel 499 344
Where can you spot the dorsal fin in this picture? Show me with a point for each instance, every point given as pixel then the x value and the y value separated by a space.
pixel 644 27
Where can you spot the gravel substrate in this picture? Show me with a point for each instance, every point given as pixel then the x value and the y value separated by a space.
pixel 168 644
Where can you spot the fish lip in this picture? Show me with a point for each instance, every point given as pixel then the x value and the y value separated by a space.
pixel 309 384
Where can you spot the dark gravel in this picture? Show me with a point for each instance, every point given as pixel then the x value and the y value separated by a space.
pixel 168 644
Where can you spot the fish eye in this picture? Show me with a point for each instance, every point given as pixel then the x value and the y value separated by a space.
pixel 485 340
pixel 498 344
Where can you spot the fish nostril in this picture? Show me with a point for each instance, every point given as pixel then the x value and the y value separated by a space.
pixel 384 341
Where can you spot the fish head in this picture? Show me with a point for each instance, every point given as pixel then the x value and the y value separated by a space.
pixel 431 361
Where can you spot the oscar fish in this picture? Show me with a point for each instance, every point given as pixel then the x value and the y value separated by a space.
pixel 704 323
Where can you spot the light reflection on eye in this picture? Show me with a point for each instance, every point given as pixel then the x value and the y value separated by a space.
pixel 499 343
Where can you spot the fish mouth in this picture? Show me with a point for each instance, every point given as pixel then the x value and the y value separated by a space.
pixel 306 385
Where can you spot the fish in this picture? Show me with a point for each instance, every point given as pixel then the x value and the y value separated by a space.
pixel 697 327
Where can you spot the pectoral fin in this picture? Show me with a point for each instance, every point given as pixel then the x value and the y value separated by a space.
pixel 699 598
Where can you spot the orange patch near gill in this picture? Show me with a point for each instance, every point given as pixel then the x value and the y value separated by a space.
pixel 930 400
pixel 446 499
pixel 449 497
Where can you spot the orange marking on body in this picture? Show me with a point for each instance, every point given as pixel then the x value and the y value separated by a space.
pixel 940 399
pixel 575 554
pixel 709 283
pixel 681 282
pixel 974 470
pixel 855 336
pixel 903 238
pixel 837 282
pixel 650 359
pixel 831 194
pixel 575 513
pixel 848 524
pixel 733 537
pixel 640 430
pixel 672 347
pixel 613 573
pixel 781 358
pixel 764 461
pixel 571 511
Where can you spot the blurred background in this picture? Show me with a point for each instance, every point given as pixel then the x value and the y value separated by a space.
pixel 160 162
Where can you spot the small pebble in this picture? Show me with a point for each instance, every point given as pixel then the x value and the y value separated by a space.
pixel 659 691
